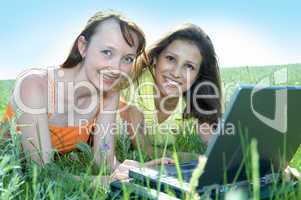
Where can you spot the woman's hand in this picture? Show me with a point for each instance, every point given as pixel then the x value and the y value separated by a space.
pixel 122 171
pixel 292 173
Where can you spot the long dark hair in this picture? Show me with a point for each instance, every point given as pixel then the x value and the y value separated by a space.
pixel 209 71
pixel 126 27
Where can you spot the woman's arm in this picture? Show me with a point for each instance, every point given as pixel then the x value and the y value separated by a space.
pixel 135 127
pixel 31 93
pixel 103 139
pixel 205 132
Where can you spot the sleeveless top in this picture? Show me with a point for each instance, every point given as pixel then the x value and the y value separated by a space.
pixel 142 96
pixel 63 139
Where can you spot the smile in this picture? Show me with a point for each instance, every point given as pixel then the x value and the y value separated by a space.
pixel 172 82
pixel 108 77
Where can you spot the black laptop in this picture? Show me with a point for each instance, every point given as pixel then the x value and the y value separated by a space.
pixel 269 115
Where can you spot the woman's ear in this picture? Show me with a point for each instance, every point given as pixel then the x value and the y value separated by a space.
pixel 82 45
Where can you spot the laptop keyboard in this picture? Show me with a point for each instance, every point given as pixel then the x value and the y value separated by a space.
pixel 169 181
pixel 186 170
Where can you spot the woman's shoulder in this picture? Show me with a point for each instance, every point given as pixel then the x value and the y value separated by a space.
pixel 31 87
pixel 32 76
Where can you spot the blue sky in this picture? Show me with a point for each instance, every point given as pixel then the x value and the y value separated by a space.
pixel 38 33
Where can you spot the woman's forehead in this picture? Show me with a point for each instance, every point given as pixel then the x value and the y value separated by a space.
pixel 109 33
pixel 184 48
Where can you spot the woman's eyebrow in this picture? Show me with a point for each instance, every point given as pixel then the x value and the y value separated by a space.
pixel 190 62
pixel 109 47
pixel 132 54
pixel 114 49
pixel 169 52
pixel 176 55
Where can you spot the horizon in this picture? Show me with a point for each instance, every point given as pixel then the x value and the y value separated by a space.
pixel 221 68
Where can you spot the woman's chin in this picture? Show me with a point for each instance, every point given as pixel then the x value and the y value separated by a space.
pixel 171 92
pixel 104 87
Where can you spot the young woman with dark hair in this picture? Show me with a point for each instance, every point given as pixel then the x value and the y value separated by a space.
pixel 179 82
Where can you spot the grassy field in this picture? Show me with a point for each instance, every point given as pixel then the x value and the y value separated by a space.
pixel 25 180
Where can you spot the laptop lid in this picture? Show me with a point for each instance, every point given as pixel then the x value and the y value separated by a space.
pixel 271 116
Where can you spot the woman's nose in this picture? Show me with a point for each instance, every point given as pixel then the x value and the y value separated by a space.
pixel 176 72
pixel 115 63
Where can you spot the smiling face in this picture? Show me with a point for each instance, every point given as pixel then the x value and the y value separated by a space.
pixel 177 67
pixel 107 56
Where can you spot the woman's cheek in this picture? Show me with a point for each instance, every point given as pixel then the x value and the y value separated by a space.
pixel 187 84
pixel 126 70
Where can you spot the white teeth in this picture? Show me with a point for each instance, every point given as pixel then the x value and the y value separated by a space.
pixel 171 82
pixel 106 76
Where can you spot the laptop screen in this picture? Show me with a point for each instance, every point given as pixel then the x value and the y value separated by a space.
pixel 269 115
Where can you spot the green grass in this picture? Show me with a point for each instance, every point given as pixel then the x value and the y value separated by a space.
pixel 6 87
pixel 20 179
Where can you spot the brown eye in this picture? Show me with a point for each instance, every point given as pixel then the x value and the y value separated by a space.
pixel 189 66
pixel 170 58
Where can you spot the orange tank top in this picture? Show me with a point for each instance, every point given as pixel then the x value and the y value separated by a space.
pixel 63 139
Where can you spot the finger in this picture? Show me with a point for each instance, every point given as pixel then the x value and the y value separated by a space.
pixel 169 161
pixel 287 174
pixel 294 172
pixel 123 167
pixel 151 163
pixel 164 160
pixel 131 163
pixel 121 176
